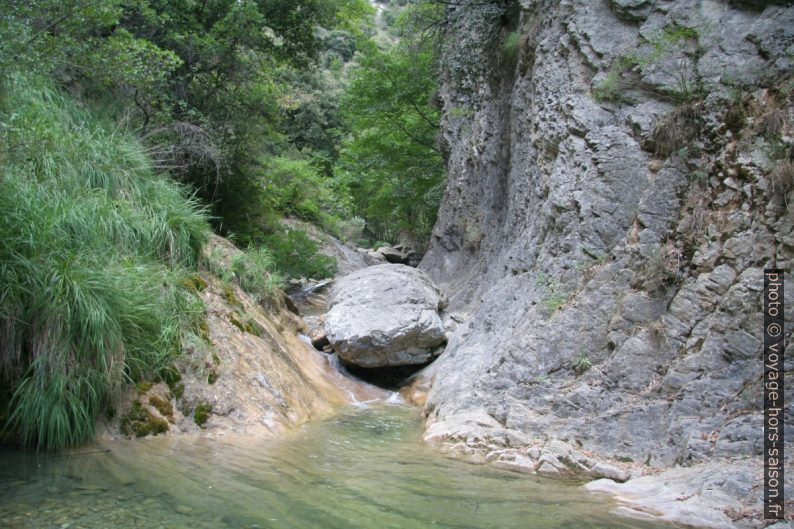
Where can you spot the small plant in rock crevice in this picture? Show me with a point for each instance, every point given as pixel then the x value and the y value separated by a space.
pixel 202 414
pixel 511 48
pixel 626 70
pixel 582 363
pixel 552 298
pixel 676 130
pixel 660 270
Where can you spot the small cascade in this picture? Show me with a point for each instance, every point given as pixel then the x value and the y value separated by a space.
pixel 360 393
pixel 362 388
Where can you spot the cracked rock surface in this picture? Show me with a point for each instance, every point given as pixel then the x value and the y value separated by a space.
pixel 616 188
pixel 385 315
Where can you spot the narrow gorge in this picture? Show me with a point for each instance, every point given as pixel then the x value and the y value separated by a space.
pixel 392 264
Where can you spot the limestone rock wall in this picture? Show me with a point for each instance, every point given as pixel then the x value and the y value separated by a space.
pixel 620 173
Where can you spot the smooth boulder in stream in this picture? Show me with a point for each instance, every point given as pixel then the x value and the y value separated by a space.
pixel 386 315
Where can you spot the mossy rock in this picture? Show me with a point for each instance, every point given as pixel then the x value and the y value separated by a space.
pixel 252 327
pixel 144 387
pixel 194 283
pixel 246 324
pixel 235 320
pixel 163 406
pixel 231 297
pixel 139 422
pixel 202 414
pixel 214 369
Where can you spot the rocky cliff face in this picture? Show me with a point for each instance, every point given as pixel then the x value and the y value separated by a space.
pixel 620 173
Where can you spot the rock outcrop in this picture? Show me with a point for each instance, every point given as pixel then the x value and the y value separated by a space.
pixel 244 371
pixel 620 173
pixel 385 315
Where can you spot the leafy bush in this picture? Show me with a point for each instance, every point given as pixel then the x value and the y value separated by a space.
pixel 341 42
pixel 294 187
pixel 92 248
pixel 296 255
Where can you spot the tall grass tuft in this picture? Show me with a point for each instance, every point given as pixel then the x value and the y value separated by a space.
pixel 255 271
pixel 92 246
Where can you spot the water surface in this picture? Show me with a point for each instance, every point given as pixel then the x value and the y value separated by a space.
pixel 366 468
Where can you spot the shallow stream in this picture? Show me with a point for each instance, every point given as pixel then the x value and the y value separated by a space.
pixel 365 468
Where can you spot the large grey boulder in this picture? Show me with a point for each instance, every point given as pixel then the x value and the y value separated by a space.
pixel 385 315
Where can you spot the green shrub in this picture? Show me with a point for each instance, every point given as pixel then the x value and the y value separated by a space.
pixel 93 245
pixel 295 187
pixel 582 363
pixel 296 255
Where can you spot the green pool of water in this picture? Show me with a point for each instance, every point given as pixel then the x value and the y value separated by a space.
pixel 365 468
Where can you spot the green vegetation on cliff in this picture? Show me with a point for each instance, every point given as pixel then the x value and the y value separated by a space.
pixel 93 244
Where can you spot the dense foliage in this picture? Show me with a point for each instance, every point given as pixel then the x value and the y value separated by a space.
pixel 128 128
pixel 92 247
pixel 209 87
pixel 390 162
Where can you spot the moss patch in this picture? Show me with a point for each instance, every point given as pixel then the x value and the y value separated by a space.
pixel 163 406
pixel 171 376
pixel 235 320
pixel 202 414
pixel 139 422
pixel 228 293
pixel 204 330
pixel 194 283
pixel 252 327
pixel 246 324
pixel 144 386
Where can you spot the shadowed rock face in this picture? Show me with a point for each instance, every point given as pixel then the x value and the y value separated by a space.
pixel 385 315
pixel 612 201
